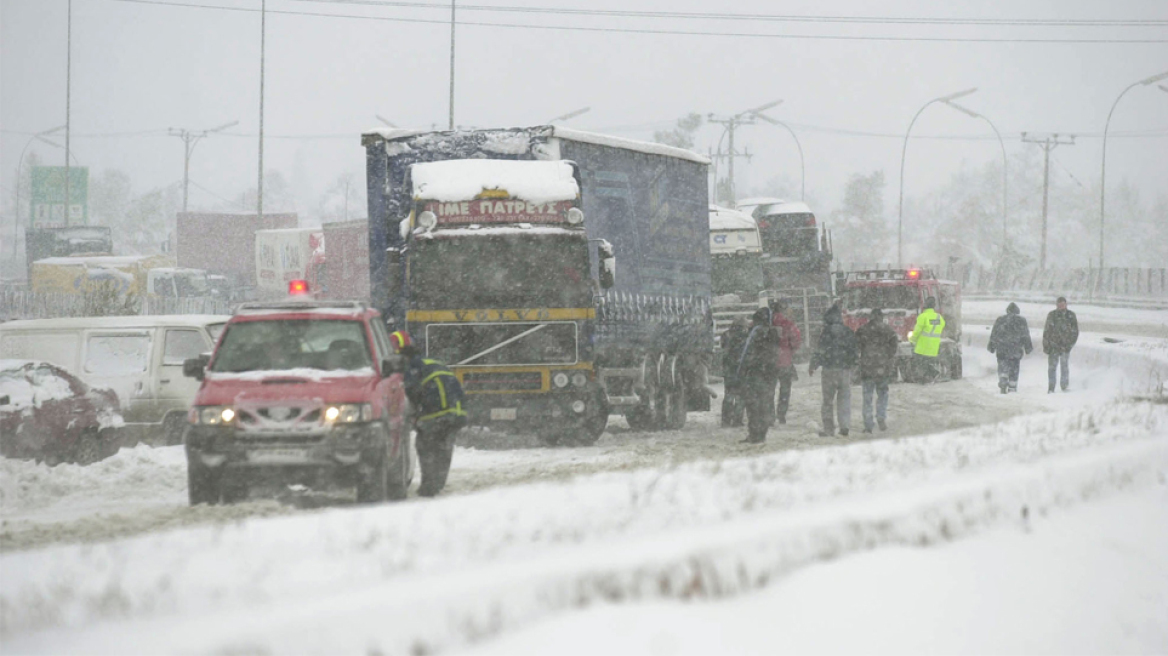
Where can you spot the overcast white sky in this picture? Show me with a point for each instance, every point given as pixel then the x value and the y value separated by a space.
pixel 141 68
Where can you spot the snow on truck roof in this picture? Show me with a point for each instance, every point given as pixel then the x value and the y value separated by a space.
pixel 129 322
pixel 97 260
pixel 724 218
pixel 551 131
pixel 464 179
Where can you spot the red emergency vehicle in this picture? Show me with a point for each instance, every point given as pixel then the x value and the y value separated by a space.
pixel 901 294
pixel 299 391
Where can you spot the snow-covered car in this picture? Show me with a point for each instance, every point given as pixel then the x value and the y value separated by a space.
pixel 48 414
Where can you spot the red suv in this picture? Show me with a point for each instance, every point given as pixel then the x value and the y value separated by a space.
pixel 302 392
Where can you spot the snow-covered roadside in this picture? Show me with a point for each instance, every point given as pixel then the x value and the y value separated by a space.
pixel 436 575
pixel 1093 318
pixel 1089 579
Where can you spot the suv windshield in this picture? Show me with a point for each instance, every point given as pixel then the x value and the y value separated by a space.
pixel 274 345
pixel 512 270
pixel 885 298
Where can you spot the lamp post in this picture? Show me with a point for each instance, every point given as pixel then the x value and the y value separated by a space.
pixel 802 168
pixel 903 152
pixel 1005 161
pixel 39 136
pixel 582 110
pixel 1103 172
pixel 190 140
pixel 385 121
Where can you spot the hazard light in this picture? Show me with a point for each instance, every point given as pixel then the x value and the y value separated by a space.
pixel 914 274
pixel 297 287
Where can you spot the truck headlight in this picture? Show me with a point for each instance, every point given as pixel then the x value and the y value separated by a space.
pixel 579 379
pixel 214 415
pixel 427 220
pixel 560 379
pixel 575 216
pixel 348 413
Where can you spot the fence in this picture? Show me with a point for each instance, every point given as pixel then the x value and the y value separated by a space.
pixel 24 304
pixel 1112 283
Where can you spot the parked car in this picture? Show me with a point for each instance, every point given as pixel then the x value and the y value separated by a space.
pixel 139 357
pixel 48 414
pixel 299 392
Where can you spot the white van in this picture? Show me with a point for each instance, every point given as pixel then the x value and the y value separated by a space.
pixel 139 357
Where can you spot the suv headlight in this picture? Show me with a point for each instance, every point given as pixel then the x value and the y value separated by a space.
pixel 214 415
pixel 348 413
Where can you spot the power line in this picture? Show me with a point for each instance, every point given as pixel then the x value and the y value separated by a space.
pixel 790 18
pixel 619 30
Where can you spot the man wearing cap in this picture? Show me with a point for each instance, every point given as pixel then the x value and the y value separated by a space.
pixel 436 397
pixel 878 345
pixel 1058 338
pixel 926 341
pixel 790 338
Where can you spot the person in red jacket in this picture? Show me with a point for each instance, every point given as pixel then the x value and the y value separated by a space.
pixel 789 342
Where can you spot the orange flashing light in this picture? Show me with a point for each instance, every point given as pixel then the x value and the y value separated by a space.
pixel 914 274
pixel 297 287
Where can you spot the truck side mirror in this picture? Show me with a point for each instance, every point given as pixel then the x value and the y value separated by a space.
pixel 394 364
pixel 607 264
pixel 196 367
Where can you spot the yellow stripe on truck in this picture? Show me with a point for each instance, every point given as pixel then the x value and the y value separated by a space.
pixel 526 314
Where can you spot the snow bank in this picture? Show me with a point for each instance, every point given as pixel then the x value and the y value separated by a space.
pixel 464 179
pixel 426 576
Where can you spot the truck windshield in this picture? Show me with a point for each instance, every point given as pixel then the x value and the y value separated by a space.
pixel 788 235
pixel 501 271
pixel 885 298
pixel 274 345
pixel 732 274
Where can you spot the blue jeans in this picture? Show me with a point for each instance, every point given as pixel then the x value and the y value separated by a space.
pixel 879 388
pixel 1052 364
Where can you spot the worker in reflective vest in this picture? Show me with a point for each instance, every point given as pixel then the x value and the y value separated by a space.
pixel 436 395
pixel 926 340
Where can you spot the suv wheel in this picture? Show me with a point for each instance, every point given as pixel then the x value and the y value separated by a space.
pixel 202 485
pixel 374 486
pixel 398 485
pixel 88 449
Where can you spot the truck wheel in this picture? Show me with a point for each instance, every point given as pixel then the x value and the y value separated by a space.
pixel 235 492
pixel 640 418
pixel 548 438
pixel 596 420
pixel 955 368
pixel 399 475
pixel 374 487
pixel 671 409
pixel 173 426
pixel 202 486
pixel 88 448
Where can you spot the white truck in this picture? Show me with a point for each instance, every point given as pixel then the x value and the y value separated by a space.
pixel 286 254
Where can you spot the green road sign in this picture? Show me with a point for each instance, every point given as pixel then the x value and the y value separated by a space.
pixel 48 206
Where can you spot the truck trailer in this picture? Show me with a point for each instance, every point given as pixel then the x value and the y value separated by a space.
pixel 498 250
pixel 223 243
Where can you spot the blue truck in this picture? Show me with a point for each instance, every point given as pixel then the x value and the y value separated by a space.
pixel 498 250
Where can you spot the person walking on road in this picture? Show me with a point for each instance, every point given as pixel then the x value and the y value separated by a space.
pixel 790 339
pixel 758 371
pixel 878 345
pixel 436 396
pixel 926 340
pixel 733 341
pixel 837 354
pixel 1010 340
pixel 1059 335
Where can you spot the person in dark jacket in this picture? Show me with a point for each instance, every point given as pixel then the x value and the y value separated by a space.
pixel 758 372
pixel 837 354
pixel 733 341
pixel 436 397
pixel 790 338
pixel 1010 340
pixel 878 345
pixel 1059 335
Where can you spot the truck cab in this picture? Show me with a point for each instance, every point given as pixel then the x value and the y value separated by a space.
pixel 299 391
pixel 901 294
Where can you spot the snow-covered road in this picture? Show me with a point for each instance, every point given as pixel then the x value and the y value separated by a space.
pixel 108 558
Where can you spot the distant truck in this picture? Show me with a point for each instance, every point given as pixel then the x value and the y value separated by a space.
pixel 497 249
pixel 123 275
pixel 42 243
pixel 288 254
pixel 224 243
pixel 901 294
pixel 345 273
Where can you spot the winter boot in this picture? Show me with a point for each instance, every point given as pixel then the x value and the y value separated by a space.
pixel 883 426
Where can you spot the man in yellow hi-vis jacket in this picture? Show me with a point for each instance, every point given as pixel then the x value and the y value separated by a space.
pixel 926 340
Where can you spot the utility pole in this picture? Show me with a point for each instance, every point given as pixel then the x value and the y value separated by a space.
pixel 451 124
pixel 260 183
pixel 1047 143
pixel 190 139
pixel 68 99
pixel 742 118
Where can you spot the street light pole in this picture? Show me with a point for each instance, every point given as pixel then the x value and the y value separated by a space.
pixel 1103 172
pixel 260 182
pixel 903 152
pixel 190 140
pixel 68 101
pixel 802 168
pixel 574 114
pixel 452 7
pixel 1005 162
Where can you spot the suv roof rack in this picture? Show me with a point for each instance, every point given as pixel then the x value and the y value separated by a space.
pixel 300 305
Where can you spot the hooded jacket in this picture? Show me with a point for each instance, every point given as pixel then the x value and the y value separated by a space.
pixel 760 355
pixel 837 348
pixel 1010 338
